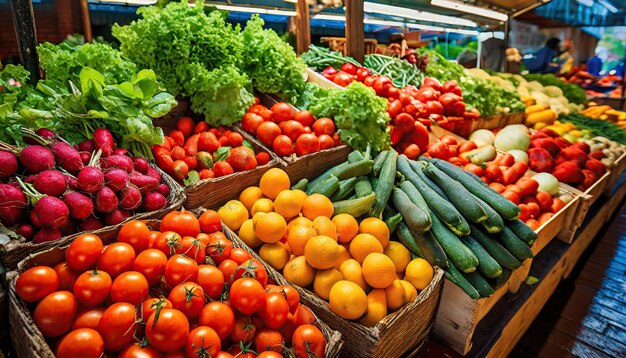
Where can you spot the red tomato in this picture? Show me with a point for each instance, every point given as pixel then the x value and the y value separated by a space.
pixel 149 306
pixel 304 315
pixel 55 314
pixel 184 223
pixel 135 350
pixel 267 132
pixel 257 108
pixel 534 209
pixel 228 267
pixel 193 248
pixel 288 328
pixel 210 222
pixel 67 277
pixel 394 108
pixel 392 92
pixel 307 144
pixel 117 258
pixel 269 340
pixel 512 196
pixel 324 126
pixel 36 283
pixel 243 331
pixel 218 316
pixel 204 238
pixel 348 68
pixel 305 118
pixel 545 201
pixel 83 252
pixel 274 311
pixel 247 295
pixel 219 247
pixel 308 341
pixel 202 342
pixel 342 79
pixel 211 279
pixel 83 342
pixel 292 129
pixel 269 354
pixel 252 269
pixel 188 298
pixel 239 255
pixel 282 146
pixel 151 264
pixel 168 243
pixel 412 151
pixel 362 73
pixel 326 142
pixel 250 122
pixel 266 114
pixel 282 112
pixel 179 269
pixel 92 288
pixel 167 331
pixel 88 318
pixel 292 296
pixel 448 139
pixel 135 233
pixel 131 287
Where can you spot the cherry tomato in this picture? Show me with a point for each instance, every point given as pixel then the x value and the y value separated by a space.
pixel 67 277
pixel 324 126
pixel 247 295
pixel 210 222
pixel 168 331
pixel 274 311
pixel 135 233
pixel 188 298
pixel 257 108
pixel 83 252
pixel 211 279
pixel 326 142
pixel 282 146
pixel 306 118
pixel 304 315
pixel 82 342
pixel 293 129
pixel 253 269
pixel 269 354
pixel 308 341
pixel 179 269
pixel 342 79
pixel 135 350
pixel 92 288
pixel 36 283
pixel 55 314
pixel 307 144
pixel 193 248
pixel 218 316
pixel 219 247
pixel 131 287
pixel 282 112
pixel 202 342
pixel 151 264
pixel 394 108
pixel 243 331
pixel 269 340
pixel 348 68
pixel 149 306
pixel 88 318
pixel 291 295
pixel 239 255
pixel 250 122
pixel 267 132
pixel 362 73
pixel 266 114
pixel 228 267
pixel 168 243
pixel 117 258
pixel 184 223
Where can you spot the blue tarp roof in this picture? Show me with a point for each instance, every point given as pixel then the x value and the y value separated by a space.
pixel 581 13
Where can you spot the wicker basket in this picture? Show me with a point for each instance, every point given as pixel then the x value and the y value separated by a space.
pixel 16 250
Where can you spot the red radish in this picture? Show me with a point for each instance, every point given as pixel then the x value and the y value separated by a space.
pixel 130 198
pixel 145 183
pixel 91 179
pixel 106 200
pixel 35 220
pixel 37 158
pixel 12 204
pixel 154 201
pixel 119 151
pixel 8 164
pixel 51 211
pixel 86 146
pixel 30 179
pixel 91 223
pixel 79 205
pixel 85 157
pixel 47 234
pixel 117 161
pixel 116 179
pixel 103 140
pixel 25 230
pixel 163 189
pixel 50 182
pixel 72 182
pixel 141 165
pixel 154 173
pixel 70 227
pixel 42 132
pixel 66 156
pixel 116 216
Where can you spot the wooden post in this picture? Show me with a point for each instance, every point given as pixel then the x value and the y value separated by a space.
pixel 26 34
pixel 84 11
pixel 303 26
pixel 355 30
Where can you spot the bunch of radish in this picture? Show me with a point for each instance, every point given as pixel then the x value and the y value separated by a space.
pixel 50 188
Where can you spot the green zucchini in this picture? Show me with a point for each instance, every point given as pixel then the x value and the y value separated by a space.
pixel 453 274
pixel 515 245
pixel 378 162
pixel 499 281
pixel 440 206
pixel 486 264
pixel 507 209
pixel 301 185
pixel 407 239
pixel 499 253
pixel 418 169
pixel 373 182
pixel 355 156
pixel 523 231
pixel 355 207
pixel 462 199
pixel 479 283
pixel 417 219
pixel 363 187
pixel 455 250
pixel 327 174
pixel 385 183
pixel 325 187
pixel 356 169
pixel 494 222
pixel 392 219
pixel 346 188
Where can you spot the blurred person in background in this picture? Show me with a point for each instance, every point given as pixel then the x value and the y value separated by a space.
pixel 542 60
pixel 594 63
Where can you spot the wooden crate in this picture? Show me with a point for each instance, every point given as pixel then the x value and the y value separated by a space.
pixel 313 76
pixel 616 171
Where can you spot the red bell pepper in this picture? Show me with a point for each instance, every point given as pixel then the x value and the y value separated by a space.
pixel 595 166
pixel 575 155
pixel 432 83
pixel 549 132
pixel 562 142
pixel 540 160
pixel 596 154
pixel 452 87
pixel 569 173
pixel 582 146
pixel 590 178
pixel 547 144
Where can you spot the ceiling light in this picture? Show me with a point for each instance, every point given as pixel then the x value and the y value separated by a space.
pixel 608 6
pixel 280 12
pixel 588 3
pixel 328 17
pixel 384 23
pixel 256 10
pixel 474 10
pixel 416 15
pixel 442 29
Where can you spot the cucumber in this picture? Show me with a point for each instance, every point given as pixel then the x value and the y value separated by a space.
pixel 378 162
pixel 373 182
pixel 355 207
pixel 515 245
pixel 499 253
pixel 418 169
pixel 385 183
pixel 355 156
pixel 453 274
pixel 502 205
pixel 486 264
pixel 499 281
pixel 440 206
pixel 456 252
pixel 415 217
pixel 351 170
pixel 325 187
pixel 462 199
pixel 392 219
pixel 472 175
pixel 301 185
pixel 346 188
pixel 494 222
pixel 407 239
pixel 479 283
pixel 363 187
pixel 327 174
pixel 523 231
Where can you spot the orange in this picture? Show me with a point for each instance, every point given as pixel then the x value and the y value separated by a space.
pixel 249 196
pixel 347 300
pixel 396 295
pixel 376 307
pixel 263 205
pixel 324 226
pixel 276 255
pixel 342 256
pixel 347 227
pixel 256 217
pixel 299 272
pixel 363 245
pixel 399 254
pixel 419 273
pixel 247 234
pixel 378 270
pixel 273 182
pixel 376 228
pixel 411 292
pixel 321 252
pixel 351 271
pixel 317 205
pixel 233 214
pixel 298 236
pixel 301 194
pixel 324 280
pixel 288 204
pixel 270 228
pixel 300 220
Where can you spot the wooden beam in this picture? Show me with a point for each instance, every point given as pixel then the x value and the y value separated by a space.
pixel 84 12
pixel 26 34
pixel 303 26
pixel 355 30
